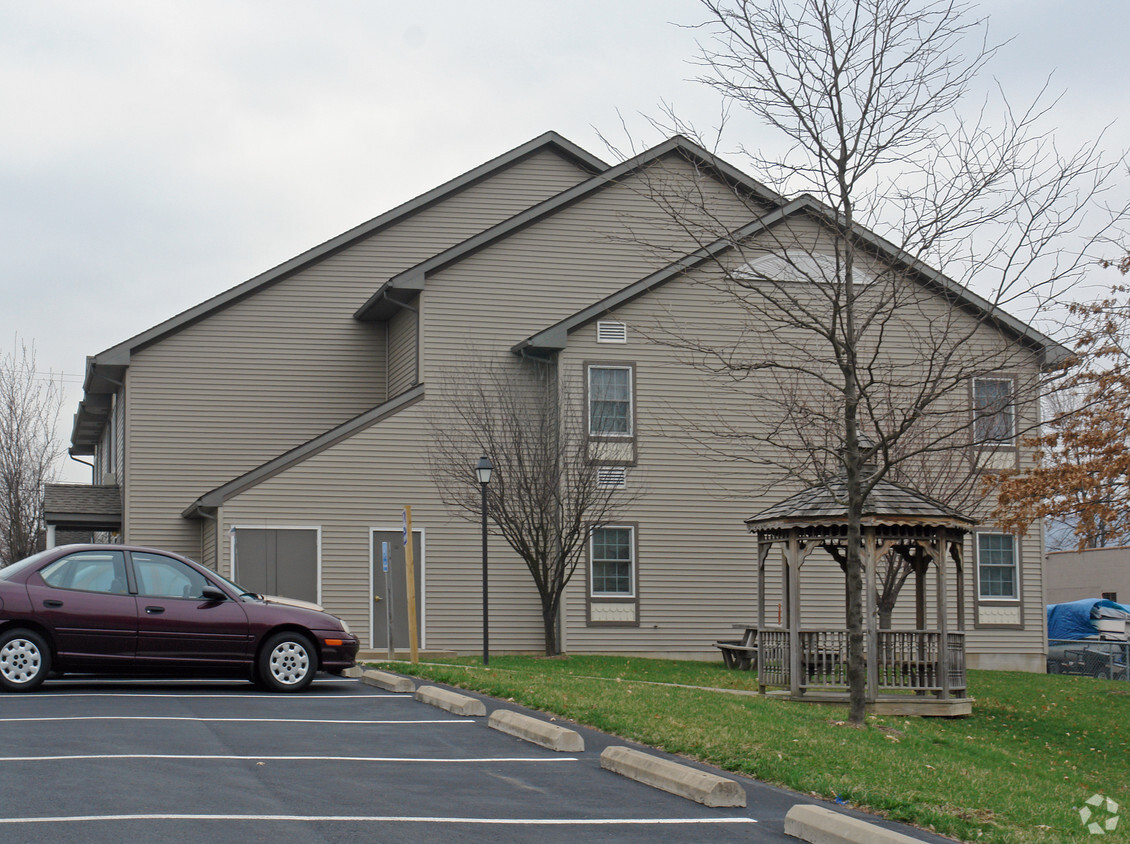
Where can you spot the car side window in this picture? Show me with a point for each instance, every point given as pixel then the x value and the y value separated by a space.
pixel 164 577
pixel 89 571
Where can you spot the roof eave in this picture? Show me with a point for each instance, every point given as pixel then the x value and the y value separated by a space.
pixel 676 145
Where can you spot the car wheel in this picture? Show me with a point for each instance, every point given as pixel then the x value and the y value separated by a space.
pixel 25 660
pixel 287 662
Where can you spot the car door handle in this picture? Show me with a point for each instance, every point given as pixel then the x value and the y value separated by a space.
pixel 154 610
pixel 50 602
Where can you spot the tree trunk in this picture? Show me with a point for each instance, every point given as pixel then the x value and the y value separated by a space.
pixel 549 624
pixel 885 613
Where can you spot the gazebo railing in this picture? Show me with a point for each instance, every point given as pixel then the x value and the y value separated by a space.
pixel 773 657
pixel 907 660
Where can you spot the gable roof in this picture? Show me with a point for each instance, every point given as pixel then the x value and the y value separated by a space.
pixel 555 337
pixel 104 371
pixel 403 286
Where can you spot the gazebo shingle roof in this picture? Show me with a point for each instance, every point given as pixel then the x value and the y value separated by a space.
pixel 888 503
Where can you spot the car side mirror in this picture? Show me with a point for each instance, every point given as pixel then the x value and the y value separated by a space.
pixel 212 593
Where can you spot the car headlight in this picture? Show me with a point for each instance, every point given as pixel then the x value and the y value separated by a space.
pixel 345 626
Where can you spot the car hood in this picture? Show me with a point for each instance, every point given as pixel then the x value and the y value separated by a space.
pixel 291 602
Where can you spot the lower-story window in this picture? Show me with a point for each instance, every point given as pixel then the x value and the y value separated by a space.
pixel 613 561
pixel 996 566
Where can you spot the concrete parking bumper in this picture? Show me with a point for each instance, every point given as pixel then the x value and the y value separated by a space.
pixel 548 735
pixel 387 681
pixel 818 825
pixel 683 780
pixel 454 703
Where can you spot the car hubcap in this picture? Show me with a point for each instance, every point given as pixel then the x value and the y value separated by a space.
pixel 19 661
pixel 289 663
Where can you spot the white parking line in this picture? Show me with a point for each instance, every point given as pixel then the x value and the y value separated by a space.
pixel 234 720
pixel 387 819
pixel 173 681
pixel 47 694
pixel 203 758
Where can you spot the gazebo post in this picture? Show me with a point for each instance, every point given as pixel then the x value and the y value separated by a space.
pixel 792 563
pixel 920 591
pixel 959 565
pixel 870 614
pixel 943 612
pixel 763 549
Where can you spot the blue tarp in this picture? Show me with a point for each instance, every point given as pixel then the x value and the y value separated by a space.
pixel 1075 619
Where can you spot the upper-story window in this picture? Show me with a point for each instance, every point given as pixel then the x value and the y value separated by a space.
pixel 610 401
pixel 997 570
pixel 993 412
pixel 613 561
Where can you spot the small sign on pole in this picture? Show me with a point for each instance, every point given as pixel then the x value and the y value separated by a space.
pixel 390 616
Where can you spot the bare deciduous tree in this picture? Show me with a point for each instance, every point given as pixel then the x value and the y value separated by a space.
pixel 545 496
pixel 29 450
pixel 859 338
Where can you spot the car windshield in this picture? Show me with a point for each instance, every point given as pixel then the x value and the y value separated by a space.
pixel 231 584
pixel 15 568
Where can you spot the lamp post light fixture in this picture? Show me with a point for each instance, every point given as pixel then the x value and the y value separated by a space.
pixel 483 471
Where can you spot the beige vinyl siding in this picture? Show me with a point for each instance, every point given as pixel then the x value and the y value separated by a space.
pixel 271 371
pixel 208 542
pixel 363 483
pixel 120 434
pixel 697 562
pixel 402 350
pixel 492 300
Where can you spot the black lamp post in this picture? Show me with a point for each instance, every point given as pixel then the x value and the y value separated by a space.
pixel 483 471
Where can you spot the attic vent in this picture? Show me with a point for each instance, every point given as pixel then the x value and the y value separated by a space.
pixel 611 477
pixel 797 265
pixel 611 332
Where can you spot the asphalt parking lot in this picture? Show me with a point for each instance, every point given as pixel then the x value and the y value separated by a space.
pixel 107 761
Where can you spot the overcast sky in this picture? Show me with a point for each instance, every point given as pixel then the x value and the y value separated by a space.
pixel 154 153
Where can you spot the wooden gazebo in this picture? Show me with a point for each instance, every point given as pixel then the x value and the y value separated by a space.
pixel 919 671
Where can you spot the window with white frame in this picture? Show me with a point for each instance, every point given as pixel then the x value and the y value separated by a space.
pixel 993 418
pixel 612 557
pixel 997 575
pixel 610 401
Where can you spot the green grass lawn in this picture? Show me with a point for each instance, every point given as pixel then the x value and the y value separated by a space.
pixel 1017 770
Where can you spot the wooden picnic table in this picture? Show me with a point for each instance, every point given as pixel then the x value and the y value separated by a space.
pixel 740 653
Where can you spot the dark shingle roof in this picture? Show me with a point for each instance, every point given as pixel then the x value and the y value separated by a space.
pixel 82 498
pixel 888 503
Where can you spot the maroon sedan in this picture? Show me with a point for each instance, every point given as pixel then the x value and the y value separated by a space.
pixel 118 609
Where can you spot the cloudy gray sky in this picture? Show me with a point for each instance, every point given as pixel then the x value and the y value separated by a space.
pixel 154 153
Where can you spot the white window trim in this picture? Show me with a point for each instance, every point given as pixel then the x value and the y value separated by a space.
pixel 1015 567
pixel 231 546
pixel 631 433
pixel 1011 438
pixel 592 564
pixel 420 563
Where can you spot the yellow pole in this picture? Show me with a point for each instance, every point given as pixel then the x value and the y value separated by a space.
pixel 410 574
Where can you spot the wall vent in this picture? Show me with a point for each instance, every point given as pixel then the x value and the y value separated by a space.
pixel 611 332
pixel 611 477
